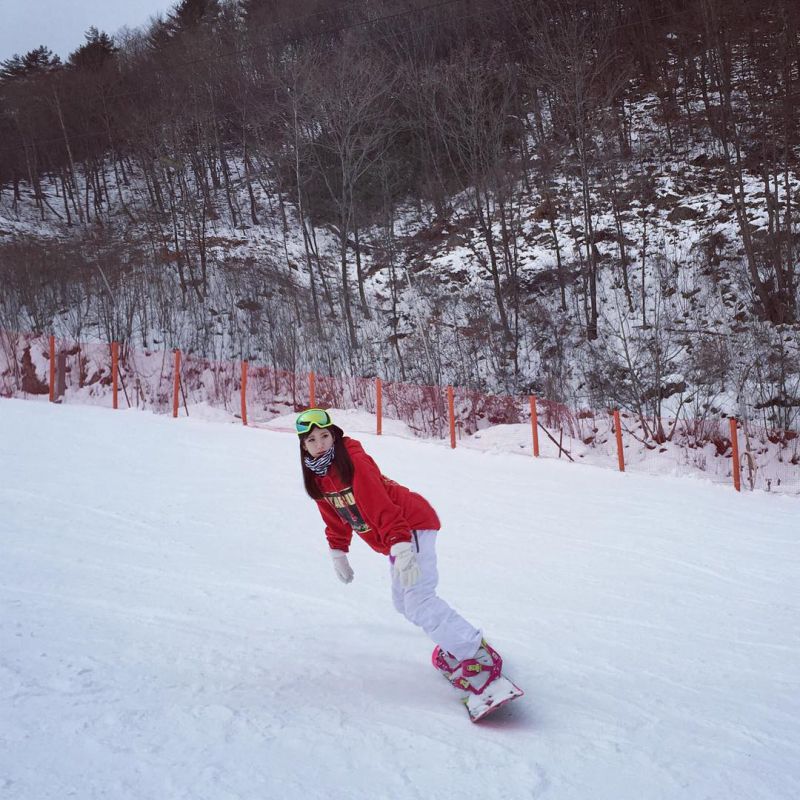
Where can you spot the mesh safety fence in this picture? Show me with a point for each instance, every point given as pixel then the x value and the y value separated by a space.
pixel 769 459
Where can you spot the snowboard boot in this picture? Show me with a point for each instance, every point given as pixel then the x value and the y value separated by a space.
pixel 473 674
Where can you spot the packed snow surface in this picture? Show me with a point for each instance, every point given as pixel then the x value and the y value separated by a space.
pixel 171 626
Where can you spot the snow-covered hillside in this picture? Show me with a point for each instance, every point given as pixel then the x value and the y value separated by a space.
pixel 681 325
pixel 171 627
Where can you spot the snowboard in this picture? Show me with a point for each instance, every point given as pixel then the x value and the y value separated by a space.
pixel 467 677
pixel 499 692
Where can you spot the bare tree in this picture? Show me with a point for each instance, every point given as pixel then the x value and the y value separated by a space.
pixel 349 100
pixel 574 61
pixel 473 102
pixel 771 270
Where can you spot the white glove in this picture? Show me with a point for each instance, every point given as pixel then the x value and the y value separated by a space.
pixel 344 572
pixel 406 566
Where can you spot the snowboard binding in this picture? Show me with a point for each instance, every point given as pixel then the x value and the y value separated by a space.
pixel 473 674
pixel 484 689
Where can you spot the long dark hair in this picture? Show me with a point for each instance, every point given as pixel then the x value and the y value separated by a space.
pixel 341 460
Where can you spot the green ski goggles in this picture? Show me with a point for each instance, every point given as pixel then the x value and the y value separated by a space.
pixel 311 417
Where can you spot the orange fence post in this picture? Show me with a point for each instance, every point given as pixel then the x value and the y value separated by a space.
pixel 737 476
pixel 618 429
pixel 52 369
pixel 114 374
pixel 379 406
pixel 452 415
pixel 312 386
pixel 244 393
pixel 176 382
pixel 534 425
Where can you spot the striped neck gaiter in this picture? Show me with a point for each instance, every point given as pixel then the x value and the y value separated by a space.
pixel 319 466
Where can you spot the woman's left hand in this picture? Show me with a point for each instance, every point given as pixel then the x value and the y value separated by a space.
pixel 406 566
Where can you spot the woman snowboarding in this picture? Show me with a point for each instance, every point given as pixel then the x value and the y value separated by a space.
pixel 353 495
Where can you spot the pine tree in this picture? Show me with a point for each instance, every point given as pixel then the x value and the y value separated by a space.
pixel 259 13
pixel 190 14
pixel 35 62
pixel 98 50
pixel 186 16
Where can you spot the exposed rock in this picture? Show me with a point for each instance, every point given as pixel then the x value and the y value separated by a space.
pixel 31 384
pixel 249 305
pixel 664 391
pixel 682 213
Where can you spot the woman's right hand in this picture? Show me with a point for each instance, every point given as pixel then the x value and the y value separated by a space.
pixel 344 572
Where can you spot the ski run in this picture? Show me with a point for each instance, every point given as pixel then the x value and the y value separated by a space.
pixel 171 627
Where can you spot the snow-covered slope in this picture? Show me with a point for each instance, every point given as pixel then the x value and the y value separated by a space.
pixel 433 315
pixel 170 626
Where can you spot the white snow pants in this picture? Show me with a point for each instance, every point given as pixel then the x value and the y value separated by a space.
pixel 421 605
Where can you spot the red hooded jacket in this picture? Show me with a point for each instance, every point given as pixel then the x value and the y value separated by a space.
pixel 381 511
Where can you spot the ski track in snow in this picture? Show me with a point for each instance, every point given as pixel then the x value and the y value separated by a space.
pixel 171 627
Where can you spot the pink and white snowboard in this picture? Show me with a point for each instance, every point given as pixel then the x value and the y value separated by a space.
pixel 499 692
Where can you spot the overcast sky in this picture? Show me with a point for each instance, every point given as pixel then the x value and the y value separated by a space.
pixel 61 24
